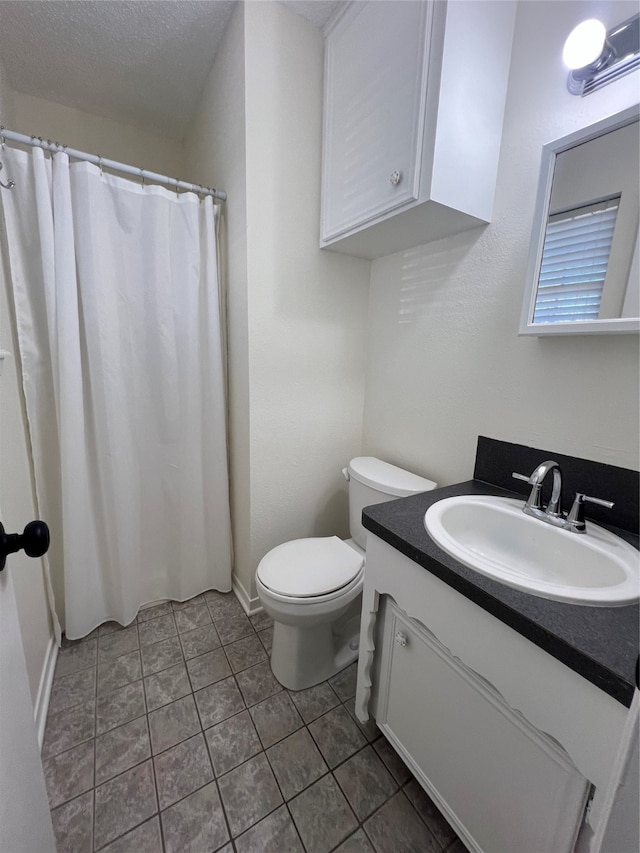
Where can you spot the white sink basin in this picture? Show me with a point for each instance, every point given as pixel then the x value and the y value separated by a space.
pixel 493 536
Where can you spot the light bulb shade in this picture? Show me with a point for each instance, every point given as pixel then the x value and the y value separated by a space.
pixel 585 44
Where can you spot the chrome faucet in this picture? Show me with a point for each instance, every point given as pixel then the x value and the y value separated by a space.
pixel 552 514
pixel 533 506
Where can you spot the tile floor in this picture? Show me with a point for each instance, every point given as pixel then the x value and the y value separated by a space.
pixel 173 735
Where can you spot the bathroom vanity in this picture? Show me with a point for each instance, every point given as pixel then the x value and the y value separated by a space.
pixel 514 712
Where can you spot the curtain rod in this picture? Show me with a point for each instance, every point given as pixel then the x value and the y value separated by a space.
pixel 48 145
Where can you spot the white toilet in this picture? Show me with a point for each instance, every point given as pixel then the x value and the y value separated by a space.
pixel 312 588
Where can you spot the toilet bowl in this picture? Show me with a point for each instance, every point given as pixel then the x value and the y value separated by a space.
pixel 312 587
pixel 308 587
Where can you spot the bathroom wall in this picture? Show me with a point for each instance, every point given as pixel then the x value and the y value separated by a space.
pixel 215 155
pixel 445 362
pixel 97 135
pixel 17 500
pixel 305 309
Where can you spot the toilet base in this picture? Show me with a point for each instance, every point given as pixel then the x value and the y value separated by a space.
pixel 303 657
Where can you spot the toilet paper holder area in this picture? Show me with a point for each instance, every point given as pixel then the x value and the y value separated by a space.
pixel 34 539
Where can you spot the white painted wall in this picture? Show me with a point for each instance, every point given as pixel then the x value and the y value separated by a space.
pixel 97 135
pixel 297 335
pixel 215 156
pixel 307 308
pixel 17 498
pixel 445 363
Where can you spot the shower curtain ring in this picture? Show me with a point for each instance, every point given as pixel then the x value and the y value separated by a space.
pixel 100 165
pixel 10 184
pixel 141 177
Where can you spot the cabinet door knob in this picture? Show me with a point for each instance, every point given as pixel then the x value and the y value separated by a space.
pixel 395 177
pixel 401 639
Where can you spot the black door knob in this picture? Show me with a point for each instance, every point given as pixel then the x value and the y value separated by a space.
pixel 34 539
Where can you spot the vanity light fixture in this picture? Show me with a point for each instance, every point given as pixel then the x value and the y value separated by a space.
pixel 596 57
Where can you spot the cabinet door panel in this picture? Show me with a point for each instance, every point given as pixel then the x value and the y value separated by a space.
pixel 510 788
pixel 374 111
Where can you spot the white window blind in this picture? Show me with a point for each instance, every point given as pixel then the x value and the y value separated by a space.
pixel 574 263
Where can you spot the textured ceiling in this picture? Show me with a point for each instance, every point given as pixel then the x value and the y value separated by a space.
pixel 144 62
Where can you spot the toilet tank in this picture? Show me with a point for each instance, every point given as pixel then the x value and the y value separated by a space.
pixel 372 481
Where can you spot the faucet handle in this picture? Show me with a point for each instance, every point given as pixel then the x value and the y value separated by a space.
pixel 575 519
pixel 533 501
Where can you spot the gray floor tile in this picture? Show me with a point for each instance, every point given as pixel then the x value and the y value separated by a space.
pixel 198 642
pixel 365 782
pixel 189 618
pixel 69 728
pixel 161 655
pixel 429 813
pixel 166 686
pixel 245 653
pixel 314 701
pixel 189 602
pixel 121 748
pixel 266 638
pixel 337 736
pixel 181 770
pixel 273 834
pixel 208 668
pixel 322 816
pixel 117 644
pixel 356 843
pixel 232 628
pixel 145 838
pixel 396 828
pixel 258 683
pixel 66 643
pixel 157 630
pixel 261 620
pixel 195 824
pixel 69 774
pixel 296 763
pixel 74 658
pixel 344 682
pixel 173 723
pixel 109 628
pixel 73 825
pixel 72 690
pixel 275 718
pixel 124 802
pixel 219 701
pixel 232 742
pixel 395 765
pixel 249 793
pixel 116 673
pixel 222 604
pixel 146 613
pixel 118 707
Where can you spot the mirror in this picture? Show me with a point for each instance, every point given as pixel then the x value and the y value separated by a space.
pixel 584 269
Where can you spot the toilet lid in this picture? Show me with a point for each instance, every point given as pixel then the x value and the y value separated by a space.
pixel 308 567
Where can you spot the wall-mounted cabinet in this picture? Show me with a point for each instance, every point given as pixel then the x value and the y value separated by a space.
pixel 413 108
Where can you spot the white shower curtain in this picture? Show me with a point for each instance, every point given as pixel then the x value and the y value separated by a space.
pixel 117 308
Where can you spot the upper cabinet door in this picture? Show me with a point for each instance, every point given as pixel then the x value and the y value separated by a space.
pixel 375 95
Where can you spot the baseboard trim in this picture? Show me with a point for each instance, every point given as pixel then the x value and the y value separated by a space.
pixel 250 605
pixel 44 689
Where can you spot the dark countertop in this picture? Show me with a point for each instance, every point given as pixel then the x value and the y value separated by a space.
pixel 599 643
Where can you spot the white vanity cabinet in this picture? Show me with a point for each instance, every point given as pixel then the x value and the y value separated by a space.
pixel 413 108
pixel 508 742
